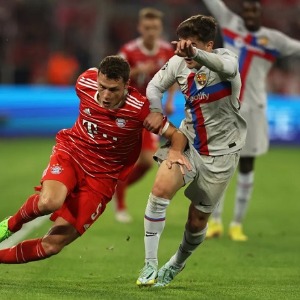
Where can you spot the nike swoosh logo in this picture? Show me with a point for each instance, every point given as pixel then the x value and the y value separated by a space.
pixel 153 234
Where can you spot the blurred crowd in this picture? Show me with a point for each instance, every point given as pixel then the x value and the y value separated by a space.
pixel 52 41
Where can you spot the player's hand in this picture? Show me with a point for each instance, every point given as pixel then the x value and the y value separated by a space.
pixel 184 48
pixel 176 157
pixel 153 122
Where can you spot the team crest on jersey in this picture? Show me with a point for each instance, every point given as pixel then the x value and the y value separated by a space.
pixel 120 122
pixel 56 169
pixel 263 41
pixel 201 78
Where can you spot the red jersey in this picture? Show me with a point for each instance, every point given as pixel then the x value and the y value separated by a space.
pixel 104 142
pixel 135 53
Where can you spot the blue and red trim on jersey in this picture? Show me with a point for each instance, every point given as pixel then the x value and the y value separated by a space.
pixel 211 93
pixel 247 54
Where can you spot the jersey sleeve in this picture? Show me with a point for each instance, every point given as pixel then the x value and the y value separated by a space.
pixel 222 61
pixel 220 11
pixel 285 44
pixel 87 81
pixel 145 111
pixel 123 53
pixel 160 83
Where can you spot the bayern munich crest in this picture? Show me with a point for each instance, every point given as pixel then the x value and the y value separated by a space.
pixel 120 122
pixel 201 78
pixel 56 169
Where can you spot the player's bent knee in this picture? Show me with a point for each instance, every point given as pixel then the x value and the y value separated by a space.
pixel 48 203
pixel 160 190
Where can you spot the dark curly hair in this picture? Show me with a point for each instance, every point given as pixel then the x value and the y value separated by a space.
pixel 115 67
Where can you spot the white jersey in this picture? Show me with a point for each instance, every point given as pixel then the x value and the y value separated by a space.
pixel 212 123
pixel 257 51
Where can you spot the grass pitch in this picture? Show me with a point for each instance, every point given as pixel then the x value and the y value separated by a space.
pixel 104 262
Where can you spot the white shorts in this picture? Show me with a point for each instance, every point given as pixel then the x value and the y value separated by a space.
pixel 257 139
pixel 209 177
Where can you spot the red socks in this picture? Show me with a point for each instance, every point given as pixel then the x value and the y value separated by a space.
pixel 30 250
pixel 26 213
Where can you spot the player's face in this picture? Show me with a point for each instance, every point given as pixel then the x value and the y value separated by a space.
pixel 251 14
pixel 111 92
pixel 150 30
pixel 206 46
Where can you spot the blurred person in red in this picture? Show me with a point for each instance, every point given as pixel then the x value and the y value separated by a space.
pixel 86 162
pixel 146 55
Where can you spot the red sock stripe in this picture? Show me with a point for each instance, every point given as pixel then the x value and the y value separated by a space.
pixel 26 251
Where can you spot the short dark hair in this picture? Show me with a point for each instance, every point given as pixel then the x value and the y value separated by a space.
pixel 202 27
pixel 115 67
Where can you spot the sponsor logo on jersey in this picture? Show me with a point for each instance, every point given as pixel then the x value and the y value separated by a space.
pixel 199 96
pixel 56 169
pixel 120 122
pixel 201 78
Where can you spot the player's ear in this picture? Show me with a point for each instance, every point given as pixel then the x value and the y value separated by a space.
pixel 209 46
pixel 126 87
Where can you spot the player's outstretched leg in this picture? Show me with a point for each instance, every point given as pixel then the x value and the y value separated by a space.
pixel 5 233
pixel 148 275
pixel 166 274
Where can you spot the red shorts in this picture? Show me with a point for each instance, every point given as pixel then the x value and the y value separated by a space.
pixel 150 141
pixel 87 196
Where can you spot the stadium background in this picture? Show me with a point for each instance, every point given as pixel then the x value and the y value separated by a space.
pixel 104 263
pixel 33 32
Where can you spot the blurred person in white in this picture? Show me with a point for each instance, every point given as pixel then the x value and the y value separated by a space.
pixel 258 48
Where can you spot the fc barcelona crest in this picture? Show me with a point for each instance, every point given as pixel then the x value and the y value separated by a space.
pixel 201 78
pixel 263 41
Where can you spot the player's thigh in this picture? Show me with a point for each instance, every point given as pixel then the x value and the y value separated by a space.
pixel 214 174
pixel 59 178
pixel 167 181
pixel 83 207
pixel 53 193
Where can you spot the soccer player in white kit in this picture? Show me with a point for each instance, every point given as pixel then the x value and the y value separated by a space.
pixel 210 82
pixel 257 48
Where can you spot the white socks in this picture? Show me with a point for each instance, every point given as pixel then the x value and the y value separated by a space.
pixel 243 195
pixel 217 213
pixel 154 223
pixel 190 242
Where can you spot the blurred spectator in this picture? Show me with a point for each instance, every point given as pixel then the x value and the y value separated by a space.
pixel 63 67
pixel 29 29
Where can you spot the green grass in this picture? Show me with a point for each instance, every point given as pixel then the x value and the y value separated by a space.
pixel 104 263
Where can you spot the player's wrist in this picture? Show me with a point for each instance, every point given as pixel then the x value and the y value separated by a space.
pixel 156 110
pixel 195 53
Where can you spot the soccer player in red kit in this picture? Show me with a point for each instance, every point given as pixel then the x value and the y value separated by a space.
pixel 86 162
pixel 146 55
